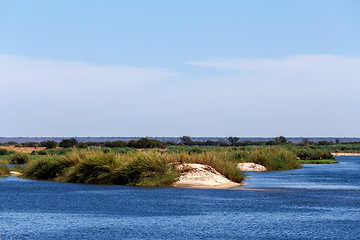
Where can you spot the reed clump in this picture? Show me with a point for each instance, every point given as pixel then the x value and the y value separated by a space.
pixel 4 170
pixel 146 168
pixel 273 158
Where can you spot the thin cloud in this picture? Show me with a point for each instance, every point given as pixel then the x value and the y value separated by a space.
pixel 19 69
pixel 297 95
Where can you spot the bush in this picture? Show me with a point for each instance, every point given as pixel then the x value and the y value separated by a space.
pixel 150 169
pixel 3 152
pixel 97 168
pixel 49 144
pixel 82 145
pixel 19 158
pixel 146 143
pixel 68 143
pixel 30 144
pixel 46 168
pixel 115 144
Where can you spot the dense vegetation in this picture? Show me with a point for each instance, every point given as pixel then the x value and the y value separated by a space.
pixel 19 158
pixel 152 167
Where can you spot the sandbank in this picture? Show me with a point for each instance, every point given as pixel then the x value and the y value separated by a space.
pixel 202 176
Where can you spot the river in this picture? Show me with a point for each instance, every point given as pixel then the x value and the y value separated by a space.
pixel 315 202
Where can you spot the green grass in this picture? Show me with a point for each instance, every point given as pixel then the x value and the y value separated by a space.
pixel 324 161
pixel 307 153
pixel 96 167
pixel 4 159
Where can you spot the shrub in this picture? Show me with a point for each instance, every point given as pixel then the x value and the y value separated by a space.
pixel 150 169
pixel 115 144
pixel 19 158
pixel 82 145
pixel 30 144
pixel 146 143
pixel 47 168
pixel 49 144
pixel 68 143
pixel 3 151
pixel 97 168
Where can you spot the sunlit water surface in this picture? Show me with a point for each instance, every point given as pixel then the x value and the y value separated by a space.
pixel 315 202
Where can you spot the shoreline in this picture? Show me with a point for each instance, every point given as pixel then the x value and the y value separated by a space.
pixel 227 186
pixel 340 154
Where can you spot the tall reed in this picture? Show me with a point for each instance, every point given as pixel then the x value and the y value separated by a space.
pixel 4 170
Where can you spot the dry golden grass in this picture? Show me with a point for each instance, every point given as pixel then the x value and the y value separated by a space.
pixel 22 149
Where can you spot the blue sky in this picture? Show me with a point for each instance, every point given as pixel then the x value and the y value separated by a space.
pixel 173 68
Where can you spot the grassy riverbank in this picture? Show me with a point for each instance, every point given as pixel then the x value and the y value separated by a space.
pixel 326 161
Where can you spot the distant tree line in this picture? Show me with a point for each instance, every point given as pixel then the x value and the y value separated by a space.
pixel 185 140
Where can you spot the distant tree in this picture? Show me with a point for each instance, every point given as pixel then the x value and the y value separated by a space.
pixel 325 143
pixel 233 140
pixel 146 143
pixel 186 139
pixel 337 141
pixel 115 144
pixel 170 143
pixel 30 144
pixel 68 143
pixel 305 141
pixel 82 145
pixel 270 142
pixel 281 140
pixel 11 143
pixel 49 144
pixel 97 144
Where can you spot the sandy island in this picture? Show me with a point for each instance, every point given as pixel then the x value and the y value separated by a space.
pixel 201 176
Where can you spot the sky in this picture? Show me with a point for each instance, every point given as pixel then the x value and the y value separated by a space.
pixel 181 67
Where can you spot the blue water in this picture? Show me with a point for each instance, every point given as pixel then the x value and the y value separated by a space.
pixel 315 202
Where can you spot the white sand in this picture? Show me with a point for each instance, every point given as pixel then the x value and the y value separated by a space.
pixel 202 176
pixel 253 167
pixel 15 174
